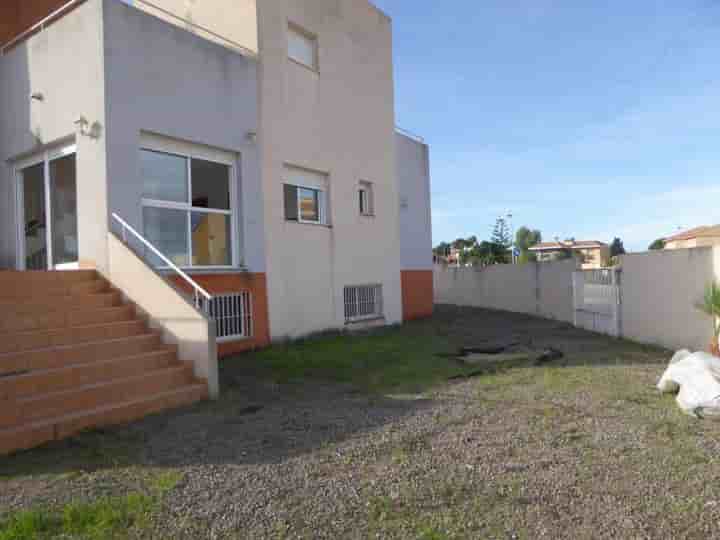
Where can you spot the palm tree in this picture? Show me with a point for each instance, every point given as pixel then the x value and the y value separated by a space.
pixel 711 306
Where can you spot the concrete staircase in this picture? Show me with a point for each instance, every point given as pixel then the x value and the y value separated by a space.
pixel 73 356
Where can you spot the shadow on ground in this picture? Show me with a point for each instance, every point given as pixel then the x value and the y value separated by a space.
pixel 258 421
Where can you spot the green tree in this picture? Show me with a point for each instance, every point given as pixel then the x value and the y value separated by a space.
pixel 501 233
pixel 442 249
pixel 657 244
pixel 526 238
pixel 501 241
pixel 617 248
pixel 710 305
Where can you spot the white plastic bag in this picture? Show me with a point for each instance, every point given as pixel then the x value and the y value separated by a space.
pixel 697 376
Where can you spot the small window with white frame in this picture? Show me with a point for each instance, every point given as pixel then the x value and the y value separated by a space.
pixel 302 47
pixel 305 196
pixel 188 207
pixel 366 200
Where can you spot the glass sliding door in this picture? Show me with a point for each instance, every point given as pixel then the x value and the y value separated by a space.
pixel 63 212
pixel 34 218
pixel 47 211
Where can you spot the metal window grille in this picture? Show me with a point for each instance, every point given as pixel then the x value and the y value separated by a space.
pixel 232 314
pixel 363 302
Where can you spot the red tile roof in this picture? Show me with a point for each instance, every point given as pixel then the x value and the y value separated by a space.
pixel 698 232
pixel 577 244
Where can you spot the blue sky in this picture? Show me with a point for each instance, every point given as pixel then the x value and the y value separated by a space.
pixel 585 119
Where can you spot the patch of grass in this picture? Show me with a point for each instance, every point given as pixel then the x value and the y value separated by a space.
pixel 104 519
pixel 444 509
pixel 391 360
pixel 166 481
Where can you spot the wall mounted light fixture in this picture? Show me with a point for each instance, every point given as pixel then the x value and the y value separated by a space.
pixel 87 130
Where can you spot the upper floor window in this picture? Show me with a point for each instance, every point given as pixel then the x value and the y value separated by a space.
pixel 187 208
pixel 302 47
pixel 305 196
pixel 365 199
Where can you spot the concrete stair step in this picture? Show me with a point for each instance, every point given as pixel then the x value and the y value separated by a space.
pixel 50 290
pixel 88 397
pixel 29 341
pixel 62 426
pixel 58 319
pixel 74 356
pixel 62 356
pixel 42 277
pixel 47 381
pixel 40 304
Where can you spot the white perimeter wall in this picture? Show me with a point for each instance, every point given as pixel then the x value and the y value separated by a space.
pixel 659 293
pixel 538 289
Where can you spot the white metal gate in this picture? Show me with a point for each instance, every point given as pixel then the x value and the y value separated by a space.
pixel 597 299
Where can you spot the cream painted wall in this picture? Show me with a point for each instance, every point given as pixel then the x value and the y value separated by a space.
pixel 168 310
pixel 340 121
pixel 413 174
pixel 543 289
pixel 235 20
pixel 659 293
pixel 65 64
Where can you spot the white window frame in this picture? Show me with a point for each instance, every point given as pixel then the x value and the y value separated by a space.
pixel 189 209
pixel 368 189
pixel 19 166
pixel 321 187
pixel 309 36
pixel 322 198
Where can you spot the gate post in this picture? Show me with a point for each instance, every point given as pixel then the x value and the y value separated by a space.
pixel 617 310
pixel 576 285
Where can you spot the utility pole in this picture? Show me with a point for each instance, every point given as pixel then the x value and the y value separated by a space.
pixel 512 237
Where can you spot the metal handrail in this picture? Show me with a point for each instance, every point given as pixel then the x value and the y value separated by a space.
pixel 39 26
pixel 410 134
pixel 199 291
pixel 233 44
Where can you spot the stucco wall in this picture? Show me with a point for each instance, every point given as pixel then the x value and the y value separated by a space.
pixel 413 174
pixel 659 293
pixel 235 20
pixel 554 282
pixel 340 121
pixel 168 310
pixel 164 80
pixel 543 289
pixel 65 64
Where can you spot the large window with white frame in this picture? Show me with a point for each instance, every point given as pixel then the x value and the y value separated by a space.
pixel 302 47
pixel 188 208
pixel 305 196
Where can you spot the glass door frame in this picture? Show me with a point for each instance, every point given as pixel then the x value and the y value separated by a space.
pixel 45 157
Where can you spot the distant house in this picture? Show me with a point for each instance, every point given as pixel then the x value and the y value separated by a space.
pixel 591 253
pixel 697 237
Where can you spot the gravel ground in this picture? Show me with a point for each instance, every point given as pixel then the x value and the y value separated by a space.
pixel 584 448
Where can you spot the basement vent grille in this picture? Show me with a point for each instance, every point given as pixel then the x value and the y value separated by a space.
pixel 363 302
pixel 232 314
